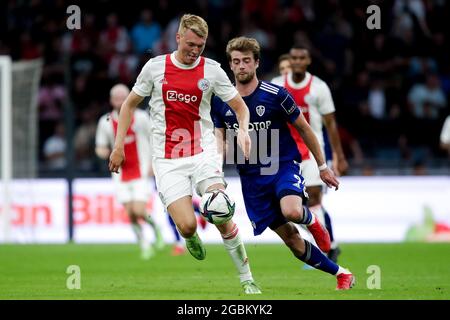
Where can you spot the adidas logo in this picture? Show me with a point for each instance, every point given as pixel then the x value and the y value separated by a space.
pixel 229 113
pixel 163 81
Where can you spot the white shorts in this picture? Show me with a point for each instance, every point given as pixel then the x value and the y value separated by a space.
pixel 175 178
pixel 135 190
pixel 310 173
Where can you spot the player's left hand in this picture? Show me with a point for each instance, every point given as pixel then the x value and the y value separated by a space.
pixel 329 178
pixel 244 142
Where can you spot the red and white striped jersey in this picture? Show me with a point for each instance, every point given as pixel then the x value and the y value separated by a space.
pixel 180 103
pixel 313 97
pixel 137 144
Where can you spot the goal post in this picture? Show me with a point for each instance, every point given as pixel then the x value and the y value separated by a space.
pixel 6 141
pixel 19 88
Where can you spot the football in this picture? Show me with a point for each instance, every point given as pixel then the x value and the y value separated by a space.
pixel 217 207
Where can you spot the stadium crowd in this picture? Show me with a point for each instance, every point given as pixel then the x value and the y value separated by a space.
pixel 391 86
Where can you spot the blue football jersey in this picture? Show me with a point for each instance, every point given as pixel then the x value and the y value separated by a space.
pixel 271 107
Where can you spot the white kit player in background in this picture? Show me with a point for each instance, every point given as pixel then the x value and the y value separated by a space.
pixel 184 147
pixel 445 136
pixel 313 97
pixel 132 184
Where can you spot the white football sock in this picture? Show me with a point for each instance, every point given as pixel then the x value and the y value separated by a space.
pixel 342 270
pixel 140 236
pixel 235 247
pixel 318 212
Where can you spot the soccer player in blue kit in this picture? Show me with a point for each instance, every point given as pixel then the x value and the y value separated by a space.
pixel 273 188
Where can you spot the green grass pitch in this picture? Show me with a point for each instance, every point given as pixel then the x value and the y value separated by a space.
pixel 408 271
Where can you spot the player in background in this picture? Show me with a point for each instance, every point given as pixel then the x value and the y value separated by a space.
pixel 314 99
pixel 445 136
pixel 284 67
pixel 132 184
pixel 273 188
pixel 284 64
pixel 184 148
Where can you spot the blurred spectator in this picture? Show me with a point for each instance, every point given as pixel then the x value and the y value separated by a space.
pixel 146 33
pixel 409 12
pixel 74 40
pixel 333 43
pixel 167 42
pixel 50 100
pixel 114 38
pixel 379 56
pixel 123 66
pixel 28 48
pixel 84 140
pixel 252 27
pixel 394 79
pixel 420 66
pixel 54 149
pixel 377 99
pixel 427 100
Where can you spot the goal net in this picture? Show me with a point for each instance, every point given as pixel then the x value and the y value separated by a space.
pixel 19 138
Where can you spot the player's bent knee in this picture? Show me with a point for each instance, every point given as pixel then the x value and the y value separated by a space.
pixel 187 230
pixel 293 213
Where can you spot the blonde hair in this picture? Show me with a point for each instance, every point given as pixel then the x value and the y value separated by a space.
pixel 195 23
pixel 243 44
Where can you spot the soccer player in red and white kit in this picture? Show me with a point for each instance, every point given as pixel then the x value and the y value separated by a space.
pixel 313 97
pixel 132 184
pixel 184 147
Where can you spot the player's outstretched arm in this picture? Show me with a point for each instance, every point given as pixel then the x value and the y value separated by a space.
pixel 313 145
pixel 243 117
pixel 117 156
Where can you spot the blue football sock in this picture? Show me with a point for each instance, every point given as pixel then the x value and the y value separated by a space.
pixel 315 258
pixel 328 223
pixel 307 216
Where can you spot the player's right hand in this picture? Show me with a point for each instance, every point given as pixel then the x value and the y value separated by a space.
pixel 244 142
pixel 329 178
pixel 116 159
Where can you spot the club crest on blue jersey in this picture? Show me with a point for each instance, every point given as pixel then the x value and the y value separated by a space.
pixel 260 110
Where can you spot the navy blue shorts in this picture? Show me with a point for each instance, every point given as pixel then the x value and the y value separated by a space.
pixel 262 195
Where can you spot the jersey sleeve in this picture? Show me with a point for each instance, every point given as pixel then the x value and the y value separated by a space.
pixel 216 105
pixel 324 99
pixel 289 108
pixel 222 86
pixel 101 135
pixel 144 83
